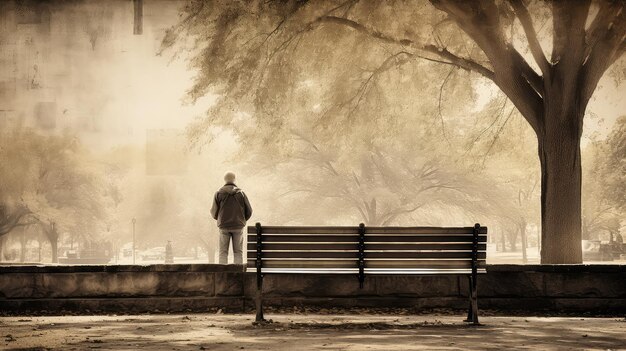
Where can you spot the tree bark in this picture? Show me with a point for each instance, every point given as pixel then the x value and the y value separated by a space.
pixel 559 153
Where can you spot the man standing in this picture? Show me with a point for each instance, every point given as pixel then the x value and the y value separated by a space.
pixel 231 209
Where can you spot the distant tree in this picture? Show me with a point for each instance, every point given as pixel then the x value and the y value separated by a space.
pixel 500 146
pixel 612 167
pixel 604 192
pixel 12 216
pixel 383 186
pixel 255 55
pixel 51 183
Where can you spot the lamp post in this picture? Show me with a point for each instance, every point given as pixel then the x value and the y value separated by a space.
pixel 134 221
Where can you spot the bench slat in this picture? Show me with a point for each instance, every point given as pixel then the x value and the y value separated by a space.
pixel 381 246
pixel 368 254
pixel 397 271
pixel 424 230
pixel 368 230
pixel 368 264
pixel 305 230
pixel 274 238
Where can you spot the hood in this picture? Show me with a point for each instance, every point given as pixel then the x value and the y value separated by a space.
pixel 230 189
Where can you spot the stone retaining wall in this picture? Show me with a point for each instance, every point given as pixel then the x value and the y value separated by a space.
pixel 595 289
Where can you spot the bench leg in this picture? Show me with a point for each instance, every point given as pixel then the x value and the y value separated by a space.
pixel 259 301
pixel 472 311
pixel 474 302
pixel 470 317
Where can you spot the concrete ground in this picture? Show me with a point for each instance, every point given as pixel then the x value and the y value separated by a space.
pixel 309 332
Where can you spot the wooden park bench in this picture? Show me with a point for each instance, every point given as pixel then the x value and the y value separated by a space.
pixel 362 250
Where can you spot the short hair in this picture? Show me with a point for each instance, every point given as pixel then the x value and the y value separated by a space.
pixel 229 177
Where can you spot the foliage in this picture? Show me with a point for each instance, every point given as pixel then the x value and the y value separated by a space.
pixel 259 56
pixel 52 179
pixel 604 191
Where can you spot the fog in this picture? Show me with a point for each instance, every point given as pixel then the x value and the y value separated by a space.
pixel 101 125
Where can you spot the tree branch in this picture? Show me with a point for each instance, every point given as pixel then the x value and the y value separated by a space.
pixel 393 215
pixel 390 62
pixel 618 53
pixel 464 63
pixel 443 124
pixel 535 80
pixel 600 25
pixel 531 35
pixel 480 20
pixel 568 18
pixel 604 53
pixel 327 163
pixel 11 221
pixel 363 29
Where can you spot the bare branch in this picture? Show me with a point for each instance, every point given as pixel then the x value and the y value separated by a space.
pixel 443 125
pixel 328 164
pixel 493 142
pixel 393 215
pixel 482 132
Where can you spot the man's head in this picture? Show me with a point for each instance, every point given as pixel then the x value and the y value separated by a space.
pixel 229 177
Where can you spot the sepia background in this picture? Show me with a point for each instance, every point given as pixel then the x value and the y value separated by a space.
pixel 113 134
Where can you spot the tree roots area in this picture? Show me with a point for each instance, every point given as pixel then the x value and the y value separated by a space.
pixel 310 332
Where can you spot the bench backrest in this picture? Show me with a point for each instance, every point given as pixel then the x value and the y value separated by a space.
pixel 371 250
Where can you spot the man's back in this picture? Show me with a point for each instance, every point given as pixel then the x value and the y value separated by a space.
pixel 231 207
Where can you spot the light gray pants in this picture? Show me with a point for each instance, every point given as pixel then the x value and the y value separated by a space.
pixel 237 236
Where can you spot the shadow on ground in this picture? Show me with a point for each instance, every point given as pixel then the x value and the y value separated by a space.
pixel 308 332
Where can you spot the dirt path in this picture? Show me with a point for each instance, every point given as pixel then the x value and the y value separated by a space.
pixel 309 332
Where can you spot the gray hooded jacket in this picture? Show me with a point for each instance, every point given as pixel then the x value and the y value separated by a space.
pixel 231 208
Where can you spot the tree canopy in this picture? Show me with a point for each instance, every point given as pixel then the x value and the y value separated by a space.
pixel 355 56
pixel 51 183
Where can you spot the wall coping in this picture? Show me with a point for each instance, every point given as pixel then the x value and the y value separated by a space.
pixel 205 267
pixel 199 267
pixel 557 268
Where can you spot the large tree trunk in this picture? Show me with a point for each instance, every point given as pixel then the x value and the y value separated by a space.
pixel 559 153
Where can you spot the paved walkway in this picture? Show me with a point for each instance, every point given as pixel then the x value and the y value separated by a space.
pixel 309 332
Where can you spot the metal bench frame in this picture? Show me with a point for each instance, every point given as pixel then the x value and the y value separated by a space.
pixel 472 273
